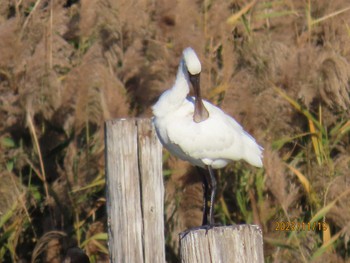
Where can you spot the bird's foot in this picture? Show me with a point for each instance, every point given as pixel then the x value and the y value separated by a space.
pixel 209 226
pixel 186 232
pixel 205 227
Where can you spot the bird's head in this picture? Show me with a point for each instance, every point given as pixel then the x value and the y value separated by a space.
pixel 194 68
pixel 192 61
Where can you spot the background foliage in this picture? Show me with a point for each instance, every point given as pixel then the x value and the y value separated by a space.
pixel 280 67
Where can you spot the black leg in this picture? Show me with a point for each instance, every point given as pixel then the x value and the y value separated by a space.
pixel 212 196
pixel 202 172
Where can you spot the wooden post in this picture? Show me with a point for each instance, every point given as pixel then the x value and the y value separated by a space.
pixel 225 244
pixel 135 191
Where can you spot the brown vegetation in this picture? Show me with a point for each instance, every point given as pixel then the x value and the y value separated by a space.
pixel 281 68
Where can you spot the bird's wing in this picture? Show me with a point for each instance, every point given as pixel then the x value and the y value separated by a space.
pixel 216 137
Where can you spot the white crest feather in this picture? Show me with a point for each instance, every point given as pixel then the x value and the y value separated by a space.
pixel 192 61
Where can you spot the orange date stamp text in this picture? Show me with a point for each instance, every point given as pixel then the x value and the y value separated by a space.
pixel 299 226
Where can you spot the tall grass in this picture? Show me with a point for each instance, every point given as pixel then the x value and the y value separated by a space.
pixel 279 67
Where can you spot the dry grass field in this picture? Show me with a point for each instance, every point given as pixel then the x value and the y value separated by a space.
pixel 280 67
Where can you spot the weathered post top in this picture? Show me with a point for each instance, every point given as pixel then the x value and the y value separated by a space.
pixel 224 244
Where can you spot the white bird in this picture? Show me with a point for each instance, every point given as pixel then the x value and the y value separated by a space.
pixel 199 132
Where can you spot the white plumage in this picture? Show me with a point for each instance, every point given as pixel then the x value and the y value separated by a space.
pixel 215 141
pixel 199 132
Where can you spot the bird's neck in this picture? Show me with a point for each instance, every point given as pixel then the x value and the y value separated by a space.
pixel 181 86
pixel 173 98
pixel 180 90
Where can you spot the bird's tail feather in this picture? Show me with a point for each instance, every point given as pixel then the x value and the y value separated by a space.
pixel 252 152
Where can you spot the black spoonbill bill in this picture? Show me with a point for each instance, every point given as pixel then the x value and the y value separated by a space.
pixel 196 131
